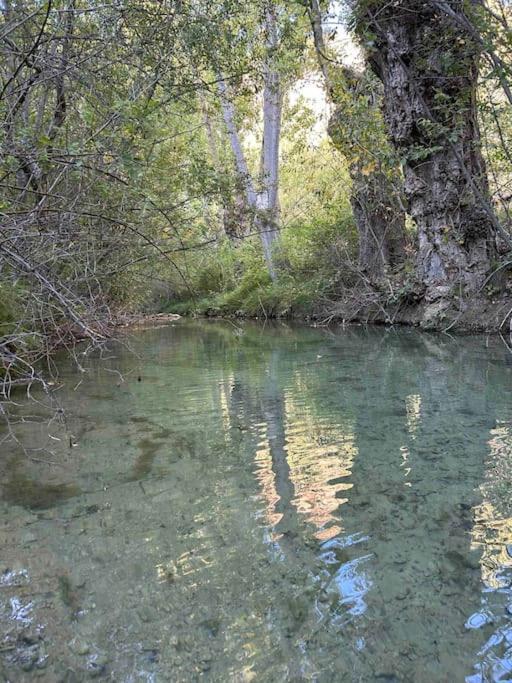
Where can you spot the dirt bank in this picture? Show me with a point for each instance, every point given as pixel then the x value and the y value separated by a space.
pixel 469 316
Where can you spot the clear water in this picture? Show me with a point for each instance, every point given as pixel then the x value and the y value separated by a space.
pixel 282 504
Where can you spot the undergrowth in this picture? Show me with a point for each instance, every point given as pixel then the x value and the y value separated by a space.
pixel 233 279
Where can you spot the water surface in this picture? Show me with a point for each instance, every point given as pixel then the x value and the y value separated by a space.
pixel 249 503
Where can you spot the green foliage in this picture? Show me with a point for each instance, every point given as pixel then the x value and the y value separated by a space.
pixel 128 204
pixel 235 281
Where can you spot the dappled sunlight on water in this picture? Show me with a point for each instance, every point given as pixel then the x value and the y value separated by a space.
pixel 281 504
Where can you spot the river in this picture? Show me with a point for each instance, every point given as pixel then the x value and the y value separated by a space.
pixel 243 502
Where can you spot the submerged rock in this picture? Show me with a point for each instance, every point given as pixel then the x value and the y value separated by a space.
pixel 28 537
pixel 146 614
pixel 96 665
pixel 79 647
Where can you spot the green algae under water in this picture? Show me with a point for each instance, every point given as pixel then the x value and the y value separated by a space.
pixel 281 504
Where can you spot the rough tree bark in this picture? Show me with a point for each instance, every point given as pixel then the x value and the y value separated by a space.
pixel 380 220
pixel 375 195
pixel 428 63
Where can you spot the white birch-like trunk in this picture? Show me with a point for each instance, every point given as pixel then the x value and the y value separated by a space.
pixel 257 203
pixel 228 114
pixel 262 201
pixel 272 111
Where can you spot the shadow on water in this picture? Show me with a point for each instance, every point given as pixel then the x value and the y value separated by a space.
pixel 148 448
pixel 35 495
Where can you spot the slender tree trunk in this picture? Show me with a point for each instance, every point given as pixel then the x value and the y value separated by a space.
pixel 264 200
pixel 228 114
pixel 268 199
pixel 256 202
pixel 428 64
pixel 378 212
pixel 212 143
pixel 315 17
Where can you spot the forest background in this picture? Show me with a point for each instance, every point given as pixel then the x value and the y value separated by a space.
pixel 342 161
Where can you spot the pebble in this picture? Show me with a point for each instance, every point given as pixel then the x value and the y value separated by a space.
pixel 402 593
pixel 146 614
pixel 28 537
pixel 96 665
pixel 43 657
pixel 151 656
pixel 42 662
pixel 79 581
pixel 79 647
pixel 28 659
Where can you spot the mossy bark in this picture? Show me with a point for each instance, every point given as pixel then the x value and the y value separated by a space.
pixel 427 60
pixel 376 183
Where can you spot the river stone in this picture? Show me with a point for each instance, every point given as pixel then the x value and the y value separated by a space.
pixel 96 665
pixel 28 658
pixel 28 537
pixel 79 647
pixel 146 614
pixel 42 662
pixel 211 626
pixel 151 655
pixel 79 580
pixel 43 657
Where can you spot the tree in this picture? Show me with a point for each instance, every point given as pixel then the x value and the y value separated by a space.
pixel 83 160
pixel 263 198
pixel 428 62
pixel 376 181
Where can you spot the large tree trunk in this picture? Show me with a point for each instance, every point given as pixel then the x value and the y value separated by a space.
pixel 378 211
pixel 428 63
pixel 380 221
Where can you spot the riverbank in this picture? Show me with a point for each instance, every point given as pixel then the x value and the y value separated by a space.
pixel 470 316
pixel 492 315
pixel 488 315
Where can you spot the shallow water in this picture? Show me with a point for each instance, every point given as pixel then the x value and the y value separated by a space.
pixel 281 504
